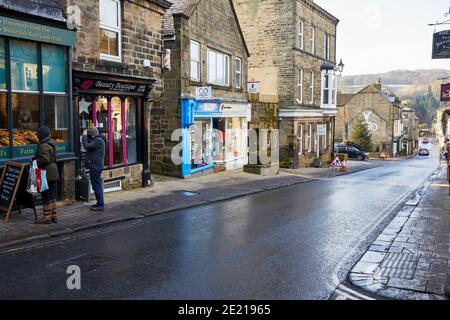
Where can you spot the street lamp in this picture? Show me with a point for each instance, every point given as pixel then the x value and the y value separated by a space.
pixel 340 67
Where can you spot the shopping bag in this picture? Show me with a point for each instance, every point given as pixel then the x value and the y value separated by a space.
pixel 43 178
pixel 32 182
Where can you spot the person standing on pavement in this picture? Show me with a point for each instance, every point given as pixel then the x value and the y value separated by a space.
pixel 46 160
pixel 95 145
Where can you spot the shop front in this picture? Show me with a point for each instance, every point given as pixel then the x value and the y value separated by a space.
pixel 215 135
pixel 35 91
pixel 116 106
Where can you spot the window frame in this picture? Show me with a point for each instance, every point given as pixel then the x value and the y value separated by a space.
pixel 199 73
pixel 300 80
pixel 236 73
pixel 310 148
pixel 117 29
pixel 312 40
pixel 311 86
pixel 301 34
pixel 326 46
pixel 300 138
pixel 226 68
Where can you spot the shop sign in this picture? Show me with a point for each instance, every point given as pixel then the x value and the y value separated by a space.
pixel 92 84
pixel 24 151
pixel 235 109
pixel 321 129
pixel 441 45
pixel 36 32
pixel 4 153
pixel 207 107
pixel 203 93
pixel 445 92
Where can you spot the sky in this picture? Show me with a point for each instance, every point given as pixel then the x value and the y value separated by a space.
pixel 376 36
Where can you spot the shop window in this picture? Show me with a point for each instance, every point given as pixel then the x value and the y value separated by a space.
pixel 201 143
pixel 110 30
pixel 4 132
pixel 57 119
pixel 195 61
pixel 2 65
pixel 86 113
pixel 117 130
pixel 103 122
pixel 54 69
pixel 218 68
pixel 24 66
pixel 233 138
pixel 131 130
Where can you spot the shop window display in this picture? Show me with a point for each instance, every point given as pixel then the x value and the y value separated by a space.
pixel 201 143
pixel 131 130
pixel 117 130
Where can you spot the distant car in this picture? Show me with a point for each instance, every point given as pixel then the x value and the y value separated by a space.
pixel 424 152
pixel 352 152
pixel 426 141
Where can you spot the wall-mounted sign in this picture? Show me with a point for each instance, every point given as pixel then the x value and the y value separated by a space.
pixel 36 32
pixel 203 93
pixel 445 92
pixel 93 84
pixel 253 87
pixel 441 45
pixel 321 129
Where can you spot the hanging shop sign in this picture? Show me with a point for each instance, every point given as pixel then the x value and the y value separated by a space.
pixel 36 32
pixel 441 45
pixel 445 92
pixel 108 85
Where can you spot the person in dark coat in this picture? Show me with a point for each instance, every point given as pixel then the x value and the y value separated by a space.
pixel 95 145
pixel 46 160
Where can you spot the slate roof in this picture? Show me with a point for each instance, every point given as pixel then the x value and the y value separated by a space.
pixel 184 7
pixel 344 98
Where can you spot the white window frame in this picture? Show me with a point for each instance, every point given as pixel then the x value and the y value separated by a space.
pixel 312 41
pixel 326 46
pixel 117 29
pixel 311 87
pixel 198 76
pixel 226 68
pixel 300 85
pixel 331 88
pixel 310 138
pixel 238 73
pixel 300 138
pixel 301 34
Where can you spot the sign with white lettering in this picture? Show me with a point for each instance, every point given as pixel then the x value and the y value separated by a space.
pixel 441 45
pixel 203 93
pixel 253 87
pixel 322 129
pixel 108 85
pixel 36 32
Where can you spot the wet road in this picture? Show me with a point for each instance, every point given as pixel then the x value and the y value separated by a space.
pixel 288 243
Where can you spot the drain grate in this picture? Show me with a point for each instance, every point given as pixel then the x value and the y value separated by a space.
pixel 187 193
pixel 398 265
pixel 86 262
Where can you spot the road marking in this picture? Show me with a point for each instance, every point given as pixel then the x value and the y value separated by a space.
pixel 440 185
pixel 343 294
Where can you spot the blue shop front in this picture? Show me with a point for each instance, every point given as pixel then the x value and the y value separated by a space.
pixel 215 135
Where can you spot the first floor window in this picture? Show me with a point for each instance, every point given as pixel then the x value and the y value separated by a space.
pixel 218 68
pixel 238 68
pixel 309 140
pixel 110 29
pixel 195 61
pixel 311 87
pixel 312 41
pixel 300 85
pixel 300 139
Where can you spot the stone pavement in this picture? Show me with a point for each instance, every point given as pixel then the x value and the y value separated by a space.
pixel 410 260
pixel 167 194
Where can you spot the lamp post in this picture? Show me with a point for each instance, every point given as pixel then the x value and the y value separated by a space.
pixel 340 70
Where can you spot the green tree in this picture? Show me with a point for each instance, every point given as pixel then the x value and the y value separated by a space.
pixel 361 137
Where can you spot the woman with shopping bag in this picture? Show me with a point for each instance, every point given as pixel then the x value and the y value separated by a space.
pixel 45 158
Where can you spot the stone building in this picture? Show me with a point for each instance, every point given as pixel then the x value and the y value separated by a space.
pixel 204 92
pixel 410 140
pixel 117 80
pixel 293 58
pixel 380 111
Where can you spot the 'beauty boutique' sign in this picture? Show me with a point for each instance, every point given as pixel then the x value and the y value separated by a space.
pixel 92 84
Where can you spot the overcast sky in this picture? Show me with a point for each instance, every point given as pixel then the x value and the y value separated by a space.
pixel 376 36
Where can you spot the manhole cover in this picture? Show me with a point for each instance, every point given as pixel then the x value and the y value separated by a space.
pixel 86 262
pixel 187 193
pixel 398 265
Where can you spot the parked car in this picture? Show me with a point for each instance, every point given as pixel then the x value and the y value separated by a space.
pixel 424 152
pixel 352 152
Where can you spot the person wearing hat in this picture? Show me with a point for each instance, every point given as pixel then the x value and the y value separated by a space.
pixel 46 159
pixel 95 145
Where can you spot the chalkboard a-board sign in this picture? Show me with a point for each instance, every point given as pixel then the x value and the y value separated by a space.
pixel 9 183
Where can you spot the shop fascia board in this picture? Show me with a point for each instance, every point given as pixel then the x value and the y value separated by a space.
pixel 295 112
pixel 185 96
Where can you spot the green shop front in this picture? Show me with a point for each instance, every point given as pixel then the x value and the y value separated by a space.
pixel 35 91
